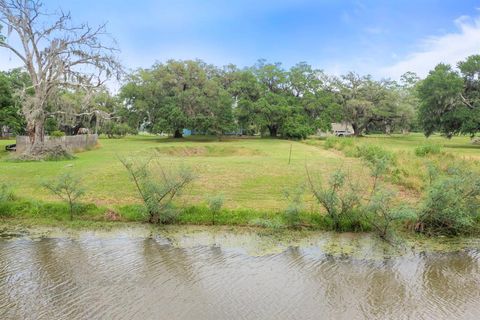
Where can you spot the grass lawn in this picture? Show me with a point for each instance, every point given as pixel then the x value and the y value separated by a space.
pixel 250 173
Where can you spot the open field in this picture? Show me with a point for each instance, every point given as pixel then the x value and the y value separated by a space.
pixel 250 173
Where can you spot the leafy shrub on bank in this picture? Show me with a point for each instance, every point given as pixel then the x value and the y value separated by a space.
pixel 351 207
pixel 68 188
pixel 157 187
pixel 381 212
pixel 215 204
pixel 340 198
pixel 294 208
pixel 452 202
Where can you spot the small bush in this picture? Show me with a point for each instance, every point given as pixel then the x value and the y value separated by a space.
pixel 215 204
pixel 373 153
pixel 340 198
pixel 158 187
pixel 381 213
pixel 68 188
pixel 295 207
pixel 427 149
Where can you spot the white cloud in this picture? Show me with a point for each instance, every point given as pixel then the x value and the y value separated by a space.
pixel 449 48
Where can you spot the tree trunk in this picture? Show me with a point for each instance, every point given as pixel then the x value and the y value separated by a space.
pixel 273 130
pixel 38 138
pixel 356 129
pixel 178 134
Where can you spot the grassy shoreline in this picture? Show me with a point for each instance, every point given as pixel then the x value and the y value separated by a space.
pixel 252 240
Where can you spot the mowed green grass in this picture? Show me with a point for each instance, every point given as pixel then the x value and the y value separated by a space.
pixel 250 173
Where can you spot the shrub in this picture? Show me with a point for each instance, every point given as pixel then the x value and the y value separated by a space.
pixel 340 198
pixel 381 213
pixel 451 204
pixel 373 153
pixel 215 204
pixel 350 208
pixel 67 188
pixel 157 187
pixel 427 149
pixel 295 207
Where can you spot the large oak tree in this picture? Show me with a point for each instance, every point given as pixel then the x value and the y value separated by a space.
pixel 56 54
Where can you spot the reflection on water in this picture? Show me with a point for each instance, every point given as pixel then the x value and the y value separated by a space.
pixel 147 278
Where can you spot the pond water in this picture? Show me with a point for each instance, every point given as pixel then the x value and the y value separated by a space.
pixel 231 276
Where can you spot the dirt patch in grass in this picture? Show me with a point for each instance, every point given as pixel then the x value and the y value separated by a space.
pixel 208 151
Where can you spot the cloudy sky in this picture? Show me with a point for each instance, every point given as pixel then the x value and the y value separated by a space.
pixel 382 38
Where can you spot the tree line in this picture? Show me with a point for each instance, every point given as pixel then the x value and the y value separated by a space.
pixel 263 99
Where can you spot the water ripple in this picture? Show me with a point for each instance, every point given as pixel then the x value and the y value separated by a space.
pixel 128 278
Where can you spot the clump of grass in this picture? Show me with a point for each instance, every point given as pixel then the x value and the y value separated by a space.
pixel 330 143
pixel 58 211
pixel 132 212
pixel 6 193
pixel 339 143
pixel 428 149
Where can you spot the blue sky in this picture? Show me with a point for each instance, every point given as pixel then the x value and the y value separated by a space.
pixel 383 38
